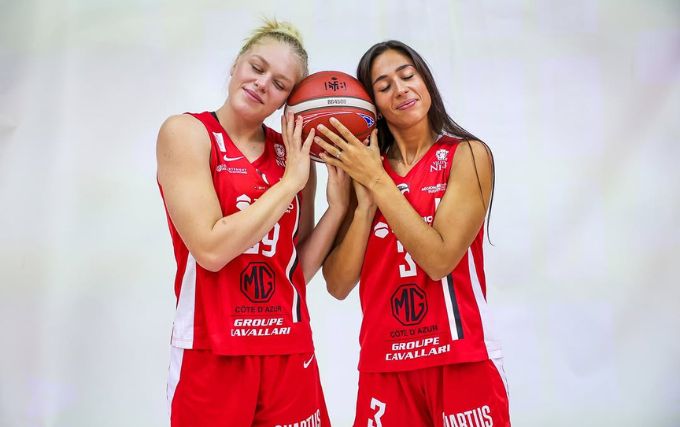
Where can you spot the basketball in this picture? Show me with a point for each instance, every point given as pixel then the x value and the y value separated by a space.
pixel 327 94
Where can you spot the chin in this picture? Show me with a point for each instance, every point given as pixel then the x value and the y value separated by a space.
pixel 250 112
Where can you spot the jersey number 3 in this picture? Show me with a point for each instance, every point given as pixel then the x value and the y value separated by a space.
pixel 380 411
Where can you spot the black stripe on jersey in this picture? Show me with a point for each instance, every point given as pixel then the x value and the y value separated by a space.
pixel 454 306
pixel 298 306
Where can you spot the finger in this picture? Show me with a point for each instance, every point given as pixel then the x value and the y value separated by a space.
pixel 297 130
pixel 284 129
pixel 334 137
pixel 326 146
pixel 290 127
pixel 349 136
pixel 308 141
pixel 374 140
pixel 330 160
pixel 331 171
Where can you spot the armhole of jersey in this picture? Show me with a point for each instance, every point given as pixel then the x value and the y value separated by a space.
pixel 201 117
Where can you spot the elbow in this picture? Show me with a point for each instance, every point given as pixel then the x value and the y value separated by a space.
pixel 438 271
pixel 337 288
pixel 336 292
pixel 209 261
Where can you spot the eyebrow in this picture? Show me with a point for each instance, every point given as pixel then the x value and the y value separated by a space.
pixel 399 68
pixel 281 76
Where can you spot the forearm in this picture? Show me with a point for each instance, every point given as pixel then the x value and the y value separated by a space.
pixel 424 243
pixel 315 248
pixel 231 235
pixel 342 268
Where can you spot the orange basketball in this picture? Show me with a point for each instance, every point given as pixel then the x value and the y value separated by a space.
pixel 328 94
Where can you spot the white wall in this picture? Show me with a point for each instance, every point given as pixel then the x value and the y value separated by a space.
pixel 579 100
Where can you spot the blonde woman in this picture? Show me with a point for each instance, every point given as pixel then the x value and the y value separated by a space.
pixel 240 199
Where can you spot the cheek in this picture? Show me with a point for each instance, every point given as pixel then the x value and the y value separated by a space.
pixel 382 101
pixel 280 97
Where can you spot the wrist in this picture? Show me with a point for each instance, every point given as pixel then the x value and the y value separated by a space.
pixel 290 186
pixel 376 181
pixel 365 212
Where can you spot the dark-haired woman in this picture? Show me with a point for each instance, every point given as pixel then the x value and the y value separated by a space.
pixel 413 238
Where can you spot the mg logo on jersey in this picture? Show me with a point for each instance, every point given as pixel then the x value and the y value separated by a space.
pixel 409 304
pixel 257 282
pixel 380 230
pixel 403 188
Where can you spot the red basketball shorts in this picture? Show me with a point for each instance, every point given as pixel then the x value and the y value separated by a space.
pixel 457 395
pixel 205 389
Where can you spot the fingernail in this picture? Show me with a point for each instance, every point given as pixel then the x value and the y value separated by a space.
pixel 321 127
pixel 333 120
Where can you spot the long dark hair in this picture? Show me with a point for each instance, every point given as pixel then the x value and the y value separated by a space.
pixel 439 119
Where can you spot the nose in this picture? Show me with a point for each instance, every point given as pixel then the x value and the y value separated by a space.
pixel 401 88
pixel 261 83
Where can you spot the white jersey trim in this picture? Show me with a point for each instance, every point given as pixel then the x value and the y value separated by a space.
pixel 493 347
pixel 292 264
pixel 498 362
pixel 183 326
pixel 176 356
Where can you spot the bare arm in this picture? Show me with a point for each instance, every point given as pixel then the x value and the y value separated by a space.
pixel 438 249
pixel 182 152
pixel 342 268
pixel 314 249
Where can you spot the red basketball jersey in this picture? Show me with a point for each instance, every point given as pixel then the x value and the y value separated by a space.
pixel 409 320
pixel 255 305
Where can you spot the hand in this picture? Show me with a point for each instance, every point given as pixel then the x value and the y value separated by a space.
pixel 362 162
pixel 337 189
pixel 297 152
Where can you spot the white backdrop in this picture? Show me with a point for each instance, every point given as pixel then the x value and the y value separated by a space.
pixel 579 100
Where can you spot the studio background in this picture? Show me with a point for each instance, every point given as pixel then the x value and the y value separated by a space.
pixel 579 100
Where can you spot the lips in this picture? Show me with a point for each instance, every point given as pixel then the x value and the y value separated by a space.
pixel 407 104
pixel 254 96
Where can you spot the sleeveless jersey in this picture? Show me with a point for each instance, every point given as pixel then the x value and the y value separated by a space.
pixel 255 305
pixel 409 320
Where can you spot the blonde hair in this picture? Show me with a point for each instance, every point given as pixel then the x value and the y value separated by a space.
pixel 283 32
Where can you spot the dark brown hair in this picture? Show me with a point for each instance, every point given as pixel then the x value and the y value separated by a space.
pixel 439 119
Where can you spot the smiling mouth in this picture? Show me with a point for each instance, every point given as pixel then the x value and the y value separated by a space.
pixel 407 104
pixel 253 95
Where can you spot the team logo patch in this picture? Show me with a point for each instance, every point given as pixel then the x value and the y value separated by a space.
pixel 257 282
pixel 243 202
pixel 380 230
pixel 440 162
pixel 409 304
pixel 403 188
pixel 279 150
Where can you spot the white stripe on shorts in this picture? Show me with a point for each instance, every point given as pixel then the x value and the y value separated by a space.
pixel 176 356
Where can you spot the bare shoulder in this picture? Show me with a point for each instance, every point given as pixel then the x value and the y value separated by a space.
pixel 473 153
pixel 182 144
pixel 181 127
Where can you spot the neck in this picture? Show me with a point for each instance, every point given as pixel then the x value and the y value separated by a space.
pixel 412 143
pixel 237 128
